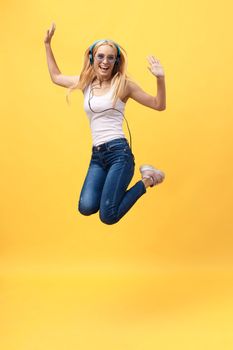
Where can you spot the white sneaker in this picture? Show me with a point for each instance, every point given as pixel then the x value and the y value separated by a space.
pixel 149 172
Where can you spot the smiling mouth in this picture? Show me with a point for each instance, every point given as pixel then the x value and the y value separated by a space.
pixel 104 69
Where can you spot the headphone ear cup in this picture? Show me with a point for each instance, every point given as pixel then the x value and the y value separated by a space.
pixel 117 60
pixel 91 58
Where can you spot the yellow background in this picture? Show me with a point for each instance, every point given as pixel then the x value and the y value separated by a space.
pixel 161 278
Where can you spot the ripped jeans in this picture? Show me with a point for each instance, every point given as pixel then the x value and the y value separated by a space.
pixel 105 187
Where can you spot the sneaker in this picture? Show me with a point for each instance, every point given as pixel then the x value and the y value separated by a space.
pixel 149 172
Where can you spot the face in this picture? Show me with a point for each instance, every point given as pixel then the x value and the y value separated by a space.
pixel 104 61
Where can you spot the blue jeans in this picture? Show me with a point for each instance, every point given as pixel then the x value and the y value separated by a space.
pixel 105 187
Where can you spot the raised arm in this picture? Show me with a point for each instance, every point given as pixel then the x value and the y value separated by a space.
pixel 156 102
pixel 56 76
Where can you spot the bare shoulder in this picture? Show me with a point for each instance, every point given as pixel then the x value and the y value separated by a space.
pixel 127 91
pixel 132 87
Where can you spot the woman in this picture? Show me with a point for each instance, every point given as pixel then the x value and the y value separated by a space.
pixel 106 88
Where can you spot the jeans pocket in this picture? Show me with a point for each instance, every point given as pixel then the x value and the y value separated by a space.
pixel 118 147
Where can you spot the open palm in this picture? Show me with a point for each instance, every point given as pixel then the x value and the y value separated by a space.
pixel 49 33
pixel 155 66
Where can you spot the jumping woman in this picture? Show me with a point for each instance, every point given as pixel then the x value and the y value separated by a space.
pixel 106 88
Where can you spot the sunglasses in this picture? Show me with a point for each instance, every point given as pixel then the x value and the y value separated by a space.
pixel 100 57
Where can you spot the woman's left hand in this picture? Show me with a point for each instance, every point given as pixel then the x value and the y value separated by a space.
pixel 155 67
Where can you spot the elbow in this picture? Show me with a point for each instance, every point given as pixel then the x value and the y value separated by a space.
pixel 161 108
pixel 54 79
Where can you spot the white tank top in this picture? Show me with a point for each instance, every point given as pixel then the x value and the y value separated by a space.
pixel 105 126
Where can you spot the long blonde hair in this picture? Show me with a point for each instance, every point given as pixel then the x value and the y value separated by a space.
pixel 119 76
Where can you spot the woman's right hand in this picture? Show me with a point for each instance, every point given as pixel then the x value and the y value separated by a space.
pixel 49 34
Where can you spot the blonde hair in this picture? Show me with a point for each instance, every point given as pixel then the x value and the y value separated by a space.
pixel 119 76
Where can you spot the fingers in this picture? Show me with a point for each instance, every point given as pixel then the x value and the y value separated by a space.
pixel 152 60
pixel 49 33
pixel 52 28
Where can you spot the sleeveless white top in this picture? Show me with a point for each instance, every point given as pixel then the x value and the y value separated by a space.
pixel 105 125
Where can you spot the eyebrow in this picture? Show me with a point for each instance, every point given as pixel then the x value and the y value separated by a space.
pixel 100 53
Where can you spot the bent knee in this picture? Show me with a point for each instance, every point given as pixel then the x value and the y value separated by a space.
pixel 108 219
pixel 86 209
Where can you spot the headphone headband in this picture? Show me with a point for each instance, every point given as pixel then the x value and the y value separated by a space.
pixel 93 45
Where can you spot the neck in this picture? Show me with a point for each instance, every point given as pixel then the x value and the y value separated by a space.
pixel 103 82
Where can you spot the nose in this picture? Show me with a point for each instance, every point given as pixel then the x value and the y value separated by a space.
pixel 105 60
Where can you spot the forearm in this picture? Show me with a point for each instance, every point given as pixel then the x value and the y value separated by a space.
pixel 161 93
pixel 52 65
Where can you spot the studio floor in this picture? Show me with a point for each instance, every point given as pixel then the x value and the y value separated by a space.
pixel 113 307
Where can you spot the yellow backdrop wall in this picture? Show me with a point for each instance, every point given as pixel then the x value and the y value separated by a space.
pixel 161 278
